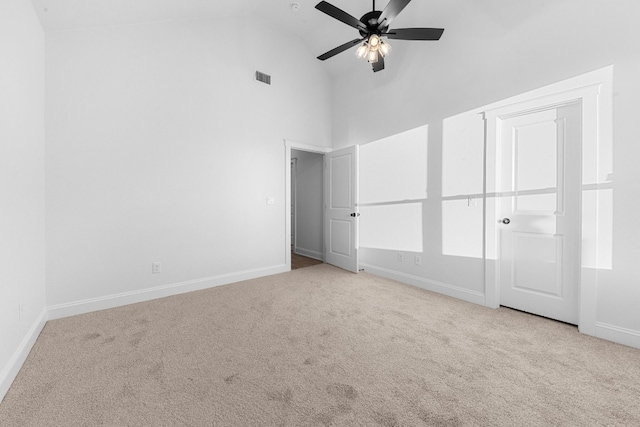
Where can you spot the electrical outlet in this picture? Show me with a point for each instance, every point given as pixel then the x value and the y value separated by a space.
pixel 156 267
pixel 400 257
pixel 417 260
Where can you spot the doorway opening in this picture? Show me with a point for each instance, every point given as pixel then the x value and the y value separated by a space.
pixel 307 246
pixel 304 180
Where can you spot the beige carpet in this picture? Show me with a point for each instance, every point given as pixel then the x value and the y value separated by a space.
pixel 320 347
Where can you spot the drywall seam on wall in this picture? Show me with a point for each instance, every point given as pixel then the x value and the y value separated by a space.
pixel 11 369
pixel 429 285
pixel 125 298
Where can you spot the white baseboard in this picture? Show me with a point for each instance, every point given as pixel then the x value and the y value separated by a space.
pixel 11 369
pixel 628 337
pixel 117 300
pixel 429 285
pixel 308 253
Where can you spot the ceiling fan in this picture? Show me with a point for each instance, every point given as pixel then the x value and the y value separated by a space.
pixel 373 26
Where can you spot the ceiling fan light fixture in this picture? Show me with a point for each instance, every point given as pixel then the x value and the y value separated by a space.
pixel 373 56
pixel 362 51
pixel 372 28
pixel 384 48
pixel 374 41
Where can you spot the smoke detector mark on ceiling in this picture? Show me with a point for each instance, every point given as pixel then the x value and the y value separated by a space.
pixel 295 6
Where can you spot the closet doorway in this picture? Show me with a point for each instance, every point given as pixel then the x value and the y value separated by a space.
pixel 307 210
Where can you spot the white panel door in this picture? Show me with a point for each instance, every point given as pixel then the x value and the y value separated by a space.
pixel 539 218
pixel 341 218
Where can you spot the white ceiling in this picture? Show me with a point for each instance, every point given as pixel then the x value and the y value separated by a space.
pixel 318 31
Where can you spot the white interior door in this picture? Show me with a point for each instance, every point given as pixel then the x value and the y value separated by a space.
pixel 539 217
pixel 341 216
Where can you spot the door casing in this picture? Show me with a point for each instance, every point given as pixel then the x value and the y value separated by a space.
pixel 288 146
pixel 294 231
pixel 534 292
pixel 592 140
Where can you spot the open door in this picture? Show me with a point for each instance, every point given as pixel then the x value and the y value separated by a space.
pixel 341 214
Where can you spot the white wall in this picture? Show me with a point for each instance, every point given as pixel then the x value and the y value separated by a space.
pixel 491 53
pixel 162 147
pixel 22 220
pixel 392 189
pixel 309 203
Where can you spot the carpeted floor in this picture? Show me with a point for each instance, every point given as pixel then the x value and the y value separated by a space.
pixel 320 347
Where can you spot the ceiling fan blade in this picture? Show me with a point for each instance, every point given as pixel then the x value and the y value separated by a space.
pixel 339 49
pixel 379 64
pixel 390 12
pixel 415 33
pixel 340 15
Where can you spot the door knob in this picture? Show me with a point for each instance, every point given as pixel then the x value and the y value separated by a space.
pixel 355 214
pixel 505 221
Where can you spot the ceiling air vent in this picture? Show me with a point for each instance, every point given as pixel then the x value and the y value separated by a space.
pixel 262 77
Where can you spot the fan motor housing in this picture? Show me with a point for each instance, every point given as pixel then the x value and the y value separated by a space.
pixel 370 19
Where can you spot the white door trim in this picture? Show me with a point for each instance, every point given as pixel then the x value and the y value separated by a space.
pixel 294 195
pixel 596 143
pixel 559 229
pixel 288 146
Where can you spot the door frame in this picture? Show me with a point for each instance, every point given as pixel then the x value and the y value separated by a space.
pixel 288 146
pixel 562 188
pixel 294 192
pixel 595 162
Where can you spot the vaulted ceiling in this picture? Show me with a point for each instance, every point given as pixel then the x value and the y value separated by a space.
pixel 316 30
